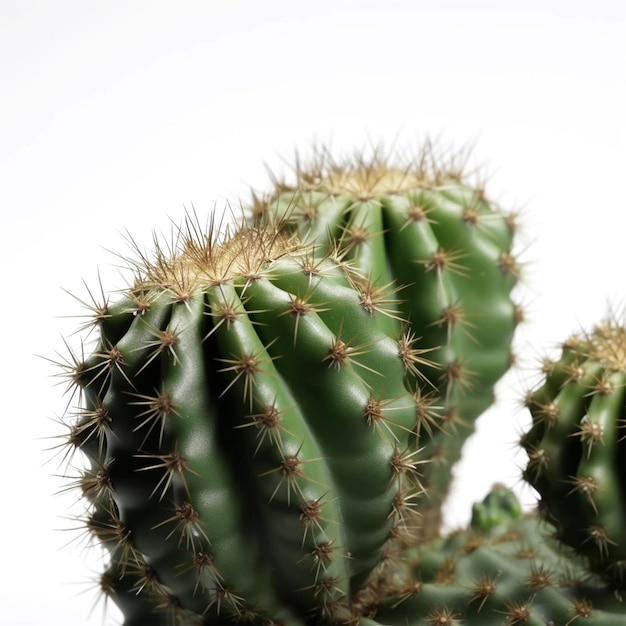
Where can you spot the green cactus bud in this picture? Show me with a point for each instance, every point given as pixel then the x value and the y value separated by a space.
pixel 249 439
pixel 511 574
pixel 436 253
pixel 577 447
pixel 499 507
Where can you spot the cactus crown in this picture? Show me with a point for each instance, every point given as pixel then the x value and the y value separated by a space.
pixel 366 175
pixel 195 258
pixel 367 180
pixel 607 344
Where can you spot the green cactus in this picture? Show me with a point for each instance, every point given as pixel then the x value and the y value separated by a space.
pixel 510 573
pixel 249 439
pixel 437 253
pixel 577 447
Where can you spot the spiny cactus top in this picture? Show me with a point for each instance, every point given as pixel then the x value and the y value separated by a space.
pixel 438 254
pixel 577 447
pixel 249 438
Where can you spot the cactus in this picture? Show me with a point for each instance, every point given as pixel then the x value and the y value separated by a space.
pixel 437 253
pixel 506 569
pixel 263 411
pixel 577 447
pixel 248 437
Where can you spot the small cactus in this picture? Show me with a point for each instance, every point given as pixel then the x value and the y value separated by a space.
pixel 250 443
pixel 512 573
pixel 577 447
pixel 438 254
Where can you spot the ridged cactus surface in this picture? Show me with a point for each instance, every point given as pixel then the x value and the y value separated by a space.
pixel 506 569
pixel 577 447
pixel 250 442
pixel 438 254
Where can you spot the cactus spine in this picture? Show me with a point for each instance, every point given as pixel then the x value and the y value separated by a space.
pixel 250 440
pixel 437 254
pixel 577 447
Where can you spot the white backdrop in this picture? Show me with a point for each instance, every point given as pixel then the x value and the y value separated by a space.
pixel 120 115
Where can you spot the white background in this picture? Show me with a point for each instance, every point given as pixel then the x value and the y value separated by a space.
pixel 121 115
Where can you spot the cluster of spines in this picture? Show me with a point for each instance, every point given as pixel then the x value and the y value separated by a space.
pixel 167 503
pixel 436 253
pixel 576 447
pixel 507 570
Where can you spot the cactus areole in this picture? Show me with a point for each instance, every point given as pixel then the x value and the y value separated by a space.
pixel 249 434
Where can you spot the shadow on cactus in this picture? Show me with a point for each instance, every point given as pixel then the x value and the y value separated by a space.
pixel 438 253
pixel 249 439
